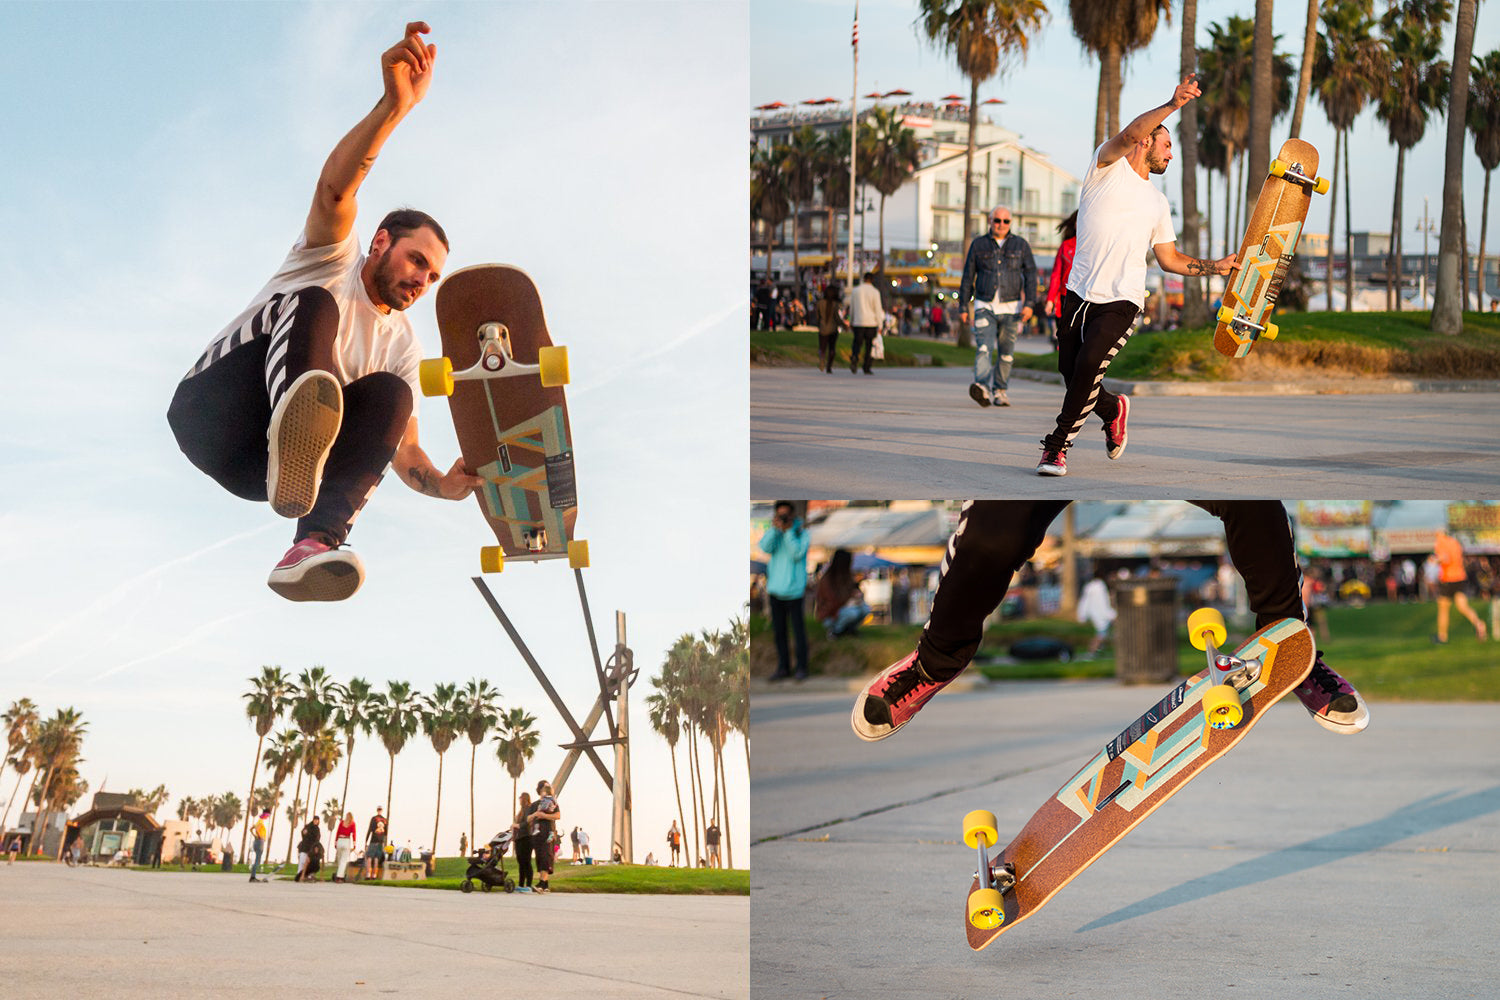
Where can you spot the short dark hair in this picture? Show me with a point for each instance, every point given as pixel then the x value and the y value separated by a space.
pixel 404 221
pixel 1161 128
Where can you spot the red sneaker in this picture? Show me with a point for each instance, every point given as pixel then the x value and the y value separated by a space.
pixel 890 700
pixel 313 571
pixel 1054 462
pixel 1332 701
pixel 1114 431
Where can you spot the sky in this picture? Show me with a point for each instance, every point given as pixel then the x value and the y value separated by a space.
pixel 799 50
pixel 159 163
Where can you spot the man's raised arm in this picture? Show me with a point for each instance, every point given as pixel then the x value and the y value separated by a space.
pixel 406 70
pixel 1142 127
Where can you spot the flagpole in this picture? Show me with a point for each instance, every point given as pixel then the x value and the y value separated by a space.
pixel 853 146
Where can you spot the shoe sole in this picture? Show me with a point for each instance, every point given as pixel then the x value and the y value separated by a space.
pixel 1119 449
pixel 301 435
pixel 328 580
pixel 1050 470
pixel 857 719
pixel 977 394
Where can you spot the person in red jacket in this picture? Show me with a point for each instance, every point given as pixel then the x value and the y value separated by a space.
pixel 1062 264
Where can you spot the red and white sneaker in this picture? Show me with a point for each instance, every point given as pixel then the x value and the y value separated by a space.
pixel 313 571
pixel 303 428
pixel 1114 431
pixel 1332 701
pixel 1054 461
pixel 890 700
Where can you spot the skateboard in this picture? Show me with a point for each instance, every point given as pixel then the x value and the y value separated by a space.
pixel 1266 253
pixel 1134 773
pixel 503 379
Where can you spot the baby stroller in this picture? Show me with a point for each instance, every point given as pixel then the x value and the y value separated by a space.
pixel 485 867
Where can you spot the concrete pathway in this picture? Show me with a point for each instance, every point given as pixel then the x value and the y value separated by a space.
pixel 94 932
pixel 1302 864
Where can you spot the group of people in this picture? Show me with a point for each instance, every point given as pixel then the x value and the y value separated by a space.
pixel 531 838
pixel 310 851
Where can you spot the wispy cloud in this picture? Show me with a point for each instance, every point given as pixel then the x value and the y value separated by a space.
pixel 186 640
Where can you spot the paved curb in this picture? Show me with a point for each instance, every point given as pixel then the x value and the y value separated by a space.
pixel 1306 387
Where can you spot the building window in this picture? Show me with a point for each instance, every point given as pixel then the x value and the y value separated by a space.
pixel 1069 202
pixel 939 228
pixel 1033 201
pixel 1005 195
pixel 940 193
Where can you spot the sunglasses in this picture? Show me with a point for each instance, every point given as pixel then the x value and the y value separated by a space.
pixel 1004 222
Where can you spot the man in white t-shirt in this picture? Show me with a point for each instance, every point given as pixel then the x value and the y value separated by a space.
pixel 1121 215
pixel 309 394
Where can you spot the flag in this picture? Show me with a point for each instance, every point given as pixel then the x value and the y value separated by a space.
pixel 854 39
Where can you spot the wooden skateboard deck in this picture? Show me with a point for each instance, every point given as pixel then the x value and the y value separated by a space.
pixel 1134 774
pixel 512 429
pixel 1266 253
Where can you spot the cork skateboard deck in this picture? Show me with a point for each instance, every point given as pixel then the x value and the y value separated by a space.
pixel 1127 780
pixel 504 381
pixel 1266 253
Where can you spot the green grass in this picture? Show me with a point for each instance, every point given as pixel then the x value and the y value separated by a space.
pixel 1385 650
pixel 1373 344
pixel 448 873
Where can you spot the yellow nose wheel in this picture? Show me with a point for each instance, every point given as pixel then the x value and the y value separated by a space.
pixel 1228 675
pixel 986 906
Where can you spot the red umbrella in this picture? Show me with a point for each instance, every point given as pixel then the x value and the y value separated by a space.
pixel 952 97
pixel 897 93
pixel 823 100
pixel 770 107
pixel 992 100
pixel 877 95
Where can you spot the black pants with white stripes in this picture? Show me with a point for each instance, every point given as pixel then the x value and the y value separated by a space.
pixel 995 538
pixel 221 412
pixel 1090 336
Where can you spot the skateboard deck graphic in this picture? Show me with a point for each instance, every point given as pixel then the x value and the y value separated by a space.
pixel 1132 775
pixel 1267 250
pixel 504 379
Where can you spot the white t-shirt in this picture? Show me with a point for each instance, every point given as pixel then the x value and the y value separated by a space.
pixel 369 340
pixel 1121 216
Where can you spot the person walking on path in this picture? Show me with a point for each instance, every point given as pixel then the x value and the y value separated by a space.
pixel 1453 586
pixel 711 842
pixel 545 813
pixel 520 842
pixel 258 844
pixel 343 843
pixel 995 538
pixel 1000 281
pixel 309 394
pixel 830 321
pixel 866 312
pixel 1062 267
pixel 1121 215
pixel 674 841
pixel 375 835
pixel 785 542
pixel 1094 608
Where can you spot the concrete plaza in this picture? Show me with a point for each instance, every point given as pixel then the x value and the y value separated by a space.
pixel 914 433
pixel 1302 864
pixel 94 932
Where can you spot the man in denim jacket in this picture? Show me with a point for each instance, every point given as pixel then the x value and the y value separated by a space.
pixel 1000 278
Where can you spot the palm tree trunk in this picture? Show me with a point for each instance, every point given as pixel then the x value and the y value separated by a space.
pixel 249 800
pixel 1208 226
pixel 1484 223
pixel 695 777
pixel 724 833
pixel 296 802
pixel 1333 208
pixel 1262 98
pixel 881 266
pixel 35 772
pixel 5 820
pixel 473 752
pixel 437 808
pixel 1101 108
pixel 1393 269
pixel 1229 230
pixel 1239 205
pixel 1348 235
pixel 1447 307
pixel 1194 306
pixel 348 766
pixel 677 785
pixel 390 782
pixel 965 334
pixel 39 825
pixel 1113 56
pixel 1304 75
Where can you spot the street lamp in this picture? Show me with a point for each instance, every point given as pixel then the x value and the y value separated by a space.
pixel 1425 228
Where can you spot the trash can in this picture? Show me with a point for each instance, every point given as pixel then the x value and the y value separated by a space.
pixel 427 863
pixel 1145 631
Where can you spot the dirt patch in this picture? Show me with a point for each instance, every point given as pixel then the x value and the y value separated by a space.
pixel 1332 359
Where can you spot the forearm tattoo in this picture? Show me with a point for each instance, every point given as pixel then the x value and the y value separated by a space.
pixel 1202 267
pixel 424 481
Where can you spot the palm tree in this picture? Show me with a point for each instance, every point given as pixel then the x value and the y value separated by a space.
pixel 1484 122
pixel 58 742
pixel 831 166
pixel 224 811
pixel 1262 99
pixel 480 703
pixel 678 682
pixel 515 744
pixel 1448 302
pixel 799 171
pixel 1194 303
pixel 1346 72
pixel 1414 86
pixel 282 755
pixel 312 706
pixel 19 720
pixel 21 764
pixel 442 722
pixel 666 719
pixel 322 757
pixel 984 37
pixel 889 152
pixel 1111 31
pixel 152 800
pixel 264 703
pixel 397 714
pixel 1305 68
pixel 351 715
pixel 769 202
pixel 1225 68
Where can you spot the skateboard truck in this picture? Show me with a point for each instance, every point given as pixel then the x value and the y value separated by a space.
pixel 986 908
pixel 1228 675
pixel 495 361
pixel 1295 171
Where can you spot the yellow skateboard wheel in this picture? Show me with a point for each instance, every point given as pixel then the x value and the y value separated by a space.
pixel 1321 185
pixel 1226 314
pixel 436 376
pixel 1221 707
pixel 1206 620
pixel 578 554
pixel 554 364
pixel 981 823
pixel 491 559
pixel 986 910
pixel 1271 331
pixel 1278 168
